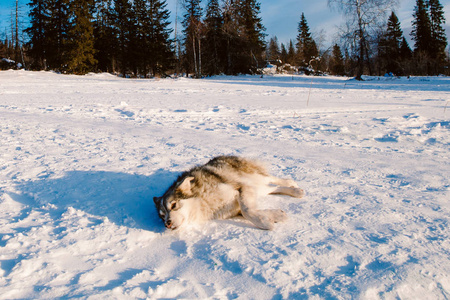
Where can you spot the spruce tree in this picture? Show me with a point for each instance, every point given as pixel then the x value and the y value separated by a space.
pixel 405 50
pixel 160 50
pixel 252 35
pixel 306 46
pixel 421 32
pixel 438 37
pixel 283 53
pixel 214 40
pixel 37 31
pixel 391 44
pixel 121 18
pixel 138 42
pixel 56 31
pixel 104 39
pixel 231 29
pixel 80 38
pixel 273 51
pixel 192 37
pixel 291 58
pixel 337 65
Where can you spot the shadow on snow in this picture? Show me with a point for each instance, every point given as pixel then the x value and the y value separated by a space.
pixel 125 199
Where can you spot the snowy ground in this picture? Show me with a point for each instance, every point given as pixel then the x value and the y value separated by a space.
pixel 82 157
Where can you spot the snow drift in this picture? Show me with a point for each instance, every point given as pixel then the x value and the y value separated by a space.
pixel 82 157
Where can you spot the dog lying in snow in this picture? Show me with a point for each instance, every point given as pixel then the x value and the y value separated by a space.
pixel 225 187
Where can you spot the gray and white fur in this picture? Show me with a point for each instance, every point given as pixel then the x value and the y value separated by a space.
pixel 223 188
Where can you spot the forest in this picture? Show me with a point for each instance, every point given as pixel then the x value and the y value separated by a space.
pixel 134 38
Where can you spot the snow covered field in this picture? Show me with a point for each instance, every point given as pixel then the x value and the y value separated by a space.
pixel 82 157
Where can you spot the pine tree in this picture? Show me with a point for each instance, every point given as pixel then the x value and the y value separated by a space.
pixel 405 57
pixel 394 34
pixel 56 30
pixel 192 42
pixel 438 37
pixel 233 41
pixel 405 50
pixel 252 34
pixel 38 42
pixel 121 18
pixel 391 44
pixel 273 51
pixel 80 38
pixel 283 53
pixel 421 32
pixel 337 65
pixel 214 40
pixel 159 46
pixel 104 39
pixel 306 46
pixel 291 53
pixel 140 40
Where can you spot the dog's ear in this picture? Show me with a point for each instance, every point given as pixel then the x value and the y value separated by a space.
pixel 185 186
pixel 157 200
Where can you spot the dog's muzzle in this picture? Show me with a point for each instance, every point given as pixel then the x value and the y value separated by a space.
pixel 169 224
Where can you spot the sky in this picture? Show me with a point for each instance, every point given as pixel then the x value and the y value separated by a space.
pixel 281 17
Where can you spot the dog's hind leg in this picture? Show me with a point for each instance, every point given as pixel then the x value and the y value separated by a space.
pixel 263 219
pixel 288 191
pixel 286 187
pixel 282 182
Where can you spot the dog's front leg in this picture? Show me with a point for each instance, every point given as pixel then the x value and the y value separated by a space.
pixel 263 219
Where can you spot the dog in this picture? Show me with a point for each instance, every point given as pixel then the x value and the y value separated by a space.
pixel 225 187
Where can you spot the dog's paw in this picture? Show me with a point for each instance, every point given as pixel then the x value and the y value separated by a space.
pixel 292 183
pixel 277 215
pixel 298 193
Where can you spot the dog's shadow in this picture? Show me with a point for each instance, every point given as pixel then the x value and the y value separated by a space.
pixel 124 199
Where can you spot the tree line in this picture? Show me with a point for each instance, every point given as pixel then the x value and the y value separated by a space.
pixel 371 42
pixel 135 38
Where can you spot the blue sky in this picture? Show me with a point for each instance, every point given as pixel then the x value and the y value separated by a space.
pixel 281 17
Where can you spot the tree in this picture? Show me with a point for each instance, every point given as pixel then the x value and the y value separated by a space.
pixel 251 35
pixel 337 65
pixel 283 53
pixel 80 38
pixel 390 46
pixel 192 31
pixel 421 32
pixel 121 19
pixel 159 52
pixel 231 33
pixel 214 40
pixel 306 46
pixel 56 32
pixel 438 37
pixel 38 42
pixel 17 47
pixel 405 57
pixel 273 50
pixel 292 53
pixel 104 38
pixel 362 16
pixel 405 50
pixel 429 37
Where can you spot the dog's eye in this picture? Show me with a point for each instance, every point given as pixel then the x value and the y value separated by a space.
pixel 173 206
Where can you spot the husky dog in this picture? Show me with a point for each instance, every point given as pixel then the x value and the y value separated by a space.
pixel 225 187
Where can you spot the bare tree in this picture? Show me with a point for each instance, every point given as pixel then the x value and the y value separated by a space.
pixel 362 16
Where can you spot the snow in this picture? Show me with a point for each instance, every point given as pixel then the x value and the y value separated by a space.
pixel 82 157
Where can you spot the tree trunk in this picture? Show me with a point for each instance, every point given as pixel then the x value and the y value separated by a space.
pixel 195 56
pixel 199 58
pixel 360 68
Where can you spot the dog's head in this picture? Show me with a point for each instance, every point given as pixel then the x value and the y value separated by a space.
pixel 172 207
